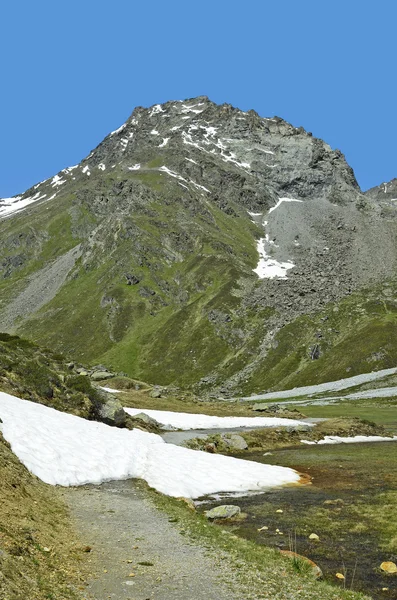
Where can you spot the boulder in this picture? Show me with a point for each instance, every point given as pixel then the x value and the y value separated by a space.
pixel 100 375
pixel 112 413
pixel 389 567
pixel 235 441
pixel 146 419
pixel 226 511
pixel 82 372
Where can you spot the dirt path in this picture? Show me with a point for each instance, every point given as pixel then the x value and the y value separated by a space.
pixel 124 529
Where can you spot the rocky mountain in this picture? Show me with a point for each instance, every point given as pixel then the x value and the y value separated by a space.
pixel 205 247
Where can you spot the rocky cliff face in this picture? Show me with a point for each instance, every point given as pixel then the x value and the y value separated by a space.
pixel 192 243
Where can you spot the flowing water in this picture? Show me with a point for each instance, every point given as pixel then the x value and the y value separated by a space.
pixel 350 505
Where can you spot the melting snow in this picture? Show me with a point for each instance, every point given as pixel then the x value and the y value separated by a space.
pixel 329 386
pixel 62 449
pixel 119 129
pixel 191 108
pixel 135 167
pixel 171 173
pixel 154 132
pixel 164 142
pixel 335 439
pixel 57 181
pixel 177 176
pixel 268 267
pixel 11 205
pixel 86 170
pixel 69 169
pixel 187 421
pixel 102 166
pixel 155 110
pixel 280 201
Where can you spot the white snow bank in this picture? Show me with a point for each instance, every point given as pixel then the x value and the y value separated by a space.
pixel 329 386
pixel 195 421
pixel 280 201
pixel 268 267
pixel 335 439
pixel 123 126
pixel 62 449
pixel 112 391
pixel 17 203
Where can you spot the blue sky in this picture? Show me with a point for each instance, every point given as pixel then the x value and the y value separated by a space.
pixel 73 71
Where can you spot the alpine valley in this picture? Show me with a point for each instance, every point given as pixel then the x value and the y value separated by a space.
pixel 209 249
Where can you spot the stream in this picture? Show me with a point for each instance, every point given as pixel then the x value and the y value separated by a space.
pixel 348 505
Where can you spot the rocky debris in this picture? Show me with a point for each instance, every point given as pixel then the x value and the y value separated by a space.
pixel 156 392
pixel 314 537
pixel 132 279
pixel 278 410
pixel 314 569
pixel 226 511
pixel 340 576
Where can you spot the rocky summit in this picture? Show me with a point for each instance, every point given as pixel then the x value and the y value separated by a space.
pixel 204 247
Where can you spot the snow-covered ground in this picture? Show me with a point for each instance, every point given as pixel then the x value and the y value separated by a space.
pixel 357 439
pixel 187 421
pixel 330 386
pixel 12 205
pixel 268 266
pixel 62 449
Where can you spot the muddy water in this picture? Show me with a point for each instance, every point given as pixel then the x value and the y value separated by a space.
pixel 355 531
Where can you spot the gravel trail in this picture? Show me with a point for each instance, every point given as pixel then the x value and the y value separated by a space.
pixel 123 528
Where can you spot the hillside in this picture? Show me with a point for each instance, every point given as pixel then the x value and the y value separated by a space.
pixel 208 248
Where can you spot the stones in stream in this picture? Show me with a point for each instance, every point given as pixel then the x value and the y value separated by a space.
pixel 226 511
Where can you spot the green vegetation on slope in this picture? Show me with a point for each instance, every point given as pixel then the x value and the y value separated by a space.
pixel 40 557
pixel 43 376
pixel 355 336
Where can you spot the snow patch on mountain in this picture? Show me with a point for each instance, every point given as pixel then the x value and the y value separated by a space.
pixel 16 204
pixel 268 266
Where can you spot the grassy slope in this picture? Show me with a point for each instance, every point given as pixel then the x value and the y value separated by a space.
pixel 41 375
pixel 39 555
pixel 166 336
pixel 357 336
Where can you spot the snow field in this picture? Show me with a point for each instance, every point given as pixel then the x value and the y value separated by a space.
pixel 62 449
pixel 357 439
pixel 329 386
pixel 187 421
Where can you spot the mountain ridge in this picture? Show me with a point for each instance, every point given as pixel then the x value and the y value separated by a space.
pixel 169 220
